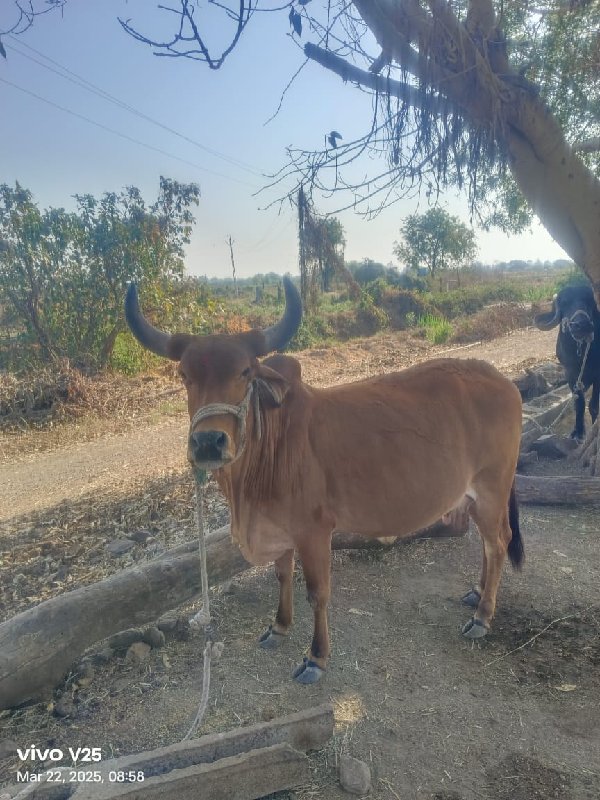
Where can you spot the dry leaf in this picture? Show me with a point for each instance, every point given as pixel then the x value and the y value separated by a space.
pixel 565 687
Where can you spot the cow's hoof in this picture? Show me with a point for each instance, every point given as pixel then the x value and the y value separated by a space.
pixel 307 672
pixel 475 629
pixel 271 640
pixel 471 598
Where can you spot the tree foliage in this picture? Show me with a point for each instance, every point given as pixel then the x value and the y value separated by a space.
pixel 436 240
pixel 63 274
pixel 321 247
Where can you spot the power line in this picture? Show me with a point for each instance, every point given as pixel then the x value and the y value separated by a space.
pixel 83 83
pixel 124 135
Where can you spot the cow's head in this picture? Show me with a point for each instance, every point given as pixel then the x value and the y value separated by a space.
pixel 222 376
pixel 574 308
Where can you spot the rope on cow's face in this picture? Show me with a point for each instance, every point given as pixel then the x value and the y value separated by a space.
pixel 240 412
pixel 202 618
pixel 579 383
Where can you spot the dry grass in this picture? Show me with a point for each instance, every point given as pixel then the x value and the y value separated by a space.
pixel 492 322
pixel 60 392
pixel 58 406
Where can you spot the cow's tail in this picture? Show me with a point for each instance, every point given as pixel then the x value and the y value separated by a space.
pixel 516 551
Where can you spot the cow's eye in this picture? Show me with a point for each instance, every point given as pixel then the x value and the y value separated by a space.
pixel 245 372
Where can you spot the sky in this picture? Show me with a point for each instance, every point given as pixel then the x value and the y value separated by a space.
pixel 59 139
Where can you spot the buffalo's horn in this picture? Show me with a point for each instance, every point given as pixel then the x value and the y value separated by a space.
pixel 278 335
pixel 146 334
pixel 548 320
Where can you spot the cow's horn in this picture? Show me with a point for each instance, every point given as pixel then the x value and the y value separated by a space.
pixel 146 334
pixel 548 320
pixel 278 335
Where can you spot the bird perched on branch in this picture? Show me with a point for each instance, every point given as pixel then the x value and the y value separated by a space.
pixel 333 137
pixel 295 21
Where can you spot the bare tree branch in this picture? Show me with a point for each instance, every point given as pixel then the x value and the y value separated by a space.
pixel 348 72
pixel 588 145
pixel 26 11
pixel 188 40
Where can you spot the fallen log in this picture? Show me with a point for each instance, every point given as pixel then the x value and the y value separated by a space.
pixel 558 490
pixel 38 646
pixel 241 763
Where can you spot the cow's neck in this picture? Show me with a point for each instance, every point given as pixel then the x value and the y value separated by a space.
pixel 268 466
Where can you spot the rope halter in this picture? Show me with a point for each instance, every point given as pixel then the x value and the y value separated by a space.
pixel 565 326
pixel 240 412
pixel 567 322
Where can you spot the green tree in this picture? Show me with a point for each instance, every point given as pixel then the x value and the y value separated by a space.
pixel 321 246
pixel 331 247
pixel 64 274
pixel 367 270
pixel 436 240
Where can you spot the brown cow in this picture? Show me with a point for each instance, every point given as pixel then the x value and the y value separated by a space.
pixel 381 457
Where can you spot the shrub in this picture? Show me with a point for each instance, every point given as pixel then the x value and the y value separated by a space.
pixel 437 329
pixel 491 322
pixel 312 331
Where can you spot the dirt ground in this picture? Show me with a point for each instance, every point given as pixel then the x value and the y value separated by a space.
pixel 513 717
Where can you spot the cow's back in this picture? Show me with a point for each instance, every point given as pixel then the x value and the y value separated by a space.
pixel 399 450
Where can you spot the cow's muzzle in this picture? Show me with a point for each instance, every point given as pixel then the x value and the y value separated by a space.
pixel 580 325
pixel 214 449
pixel 209 449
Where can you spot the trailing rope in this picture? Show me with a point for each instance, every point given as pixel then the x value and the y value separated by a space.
pixel 202 618
pixel 577 389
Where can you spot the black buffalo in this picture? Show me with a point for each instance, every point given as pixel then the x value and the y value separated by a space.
pixel 574 309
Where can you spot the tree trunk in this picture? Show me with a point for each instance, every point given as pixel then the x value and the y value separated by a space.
pixel 442 53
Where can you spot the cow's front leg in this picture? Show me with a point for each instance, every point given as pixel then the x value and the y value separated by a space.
pixel 316 565
pixel 276 633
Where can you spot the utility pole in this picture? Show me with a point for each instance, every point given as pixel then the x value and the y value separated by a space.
pixel 229 241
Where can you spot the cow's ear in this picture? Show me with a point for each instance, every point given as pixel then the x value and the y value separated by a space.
pixel 272 386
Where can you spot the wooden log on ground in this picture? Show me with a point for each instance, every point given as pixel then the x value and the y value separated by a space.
pixel 38 646
pixel 244 777
pixel 221 756
pixel 558 490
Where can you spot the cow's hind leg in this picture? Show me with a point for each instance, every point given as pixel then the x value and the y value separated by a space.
pixel 473 596
pixel 276 633
pixel 316 565
pixel 495 532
